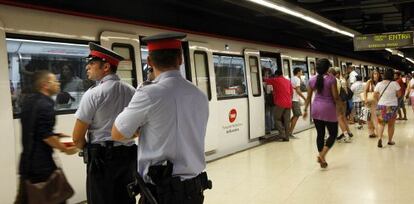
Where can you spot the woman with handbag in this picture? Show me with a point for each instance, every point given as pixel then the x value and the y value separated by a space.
pixel 371 103
pixel 341 105
pixel 387 92
pixel 41 181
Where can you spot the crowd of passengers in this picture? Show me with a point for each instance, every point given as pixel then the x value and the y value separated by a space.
pixel 340 100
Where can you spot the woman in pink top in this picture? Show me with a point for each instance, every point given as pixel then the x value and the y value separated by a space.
pixel 323 108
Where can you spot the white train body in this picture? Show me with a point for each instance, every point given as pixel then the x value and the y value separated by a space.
pixel 236 96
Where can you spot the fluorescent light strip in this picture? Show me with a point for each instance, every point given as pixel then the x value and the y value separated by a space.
pixel 409 59
pixel 44 42
pixel 302 16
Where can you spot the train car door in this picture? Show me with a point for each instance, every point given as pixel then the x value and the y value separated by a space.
pixel 303 64
pixel 127 45
pixel 343 68
pixel 311 66
pixel 8 158
pixel 255 94
pixel 202 75
pixel 286 66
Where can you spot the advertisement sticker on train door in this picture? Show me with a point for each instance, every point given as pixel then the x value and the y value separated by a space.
pixel 232 115
pixel 233 126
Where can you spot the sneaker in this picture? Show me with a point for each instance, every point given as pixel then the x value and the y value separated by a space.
pixel 340 137
pixel 347 138
pixel 391 143
pixel 359 127
pixel 350 134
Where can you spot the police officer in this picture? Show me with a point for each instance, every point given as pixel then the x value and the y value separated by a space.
pixel 110 165
pixel 170 115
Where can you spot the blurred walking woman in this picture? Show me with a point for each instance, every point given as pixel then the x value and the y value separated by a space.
pixel 387 92
pixel 323 108
pixel 371 102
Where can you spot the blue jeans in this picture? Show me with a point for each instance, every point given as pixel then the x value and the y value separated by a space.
pixel 269 121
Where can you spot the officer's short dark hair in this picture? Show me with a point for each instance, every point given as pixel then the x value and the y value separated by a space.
pixel 165 58
pixel 114 68
pixel 40 77
pixel 296 70
pixel 358 77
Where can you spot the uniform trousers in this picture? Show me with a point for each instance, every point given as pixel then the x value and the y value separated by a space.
pixel 176 197
pixel 109 173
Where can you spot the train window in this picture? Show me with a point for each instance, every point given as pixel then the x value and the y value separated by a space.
pixel 343 69
pixel 286 68
pixel 65 60
pixel 230 76
pixel 126 68
pixel 269 62
pixel 312 68
pixel 145 66
pixel 254 76
pixel 304 67
pixel 201 72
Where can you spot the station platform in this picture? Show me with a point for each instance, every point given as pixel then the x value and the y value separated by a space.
pixel 287 172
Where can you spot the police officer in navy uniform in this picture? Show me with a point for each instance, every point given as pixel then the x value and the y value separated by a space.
pixel 110 164
pixel 170 116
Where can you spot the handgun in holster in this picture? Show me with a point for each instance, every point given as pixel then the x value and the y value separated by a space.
pixel 159 173
pixel 84 154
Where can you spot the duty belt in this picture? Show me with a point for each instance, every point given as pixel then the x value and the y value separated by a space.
pixel 196 184
pixel 92 151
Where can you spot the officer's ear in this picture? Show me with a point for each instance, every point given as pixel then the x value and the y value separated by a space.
pixel 106 67
pixel 180 59
pixel 149 61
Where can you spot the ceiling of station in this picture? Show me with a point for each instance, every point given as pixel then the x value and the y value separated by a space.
pixel 367 16
pixel 245 20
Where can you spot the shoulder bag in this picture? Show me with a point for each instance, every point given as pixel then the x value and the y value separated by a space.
pixel 370 94
pixel 345 94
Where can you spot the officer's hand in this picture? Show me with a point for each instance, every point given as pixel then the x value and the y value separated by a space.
pixel 71 150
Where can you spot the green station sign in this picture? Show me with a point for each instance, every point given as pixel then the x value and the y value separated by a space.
pixel 383 40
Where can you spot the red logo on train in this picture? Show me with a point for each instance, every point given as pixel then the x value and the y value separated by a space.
pixel 232 115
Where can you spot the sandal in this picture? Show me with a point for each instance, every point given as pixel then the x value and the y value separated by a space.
pixel 391 143
pixel 323 164
pixel 379 143
pixel 372 136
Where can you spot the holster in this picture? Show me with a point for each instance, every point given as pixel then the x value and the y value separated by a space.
pixel 168 187
pixel 84 154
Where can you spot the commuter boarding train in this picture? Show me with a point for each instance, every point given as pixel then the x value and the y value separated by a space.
pixel 228 71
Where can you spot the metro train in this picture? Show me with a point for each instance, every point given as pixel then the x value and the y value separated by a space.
pixel 227 70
